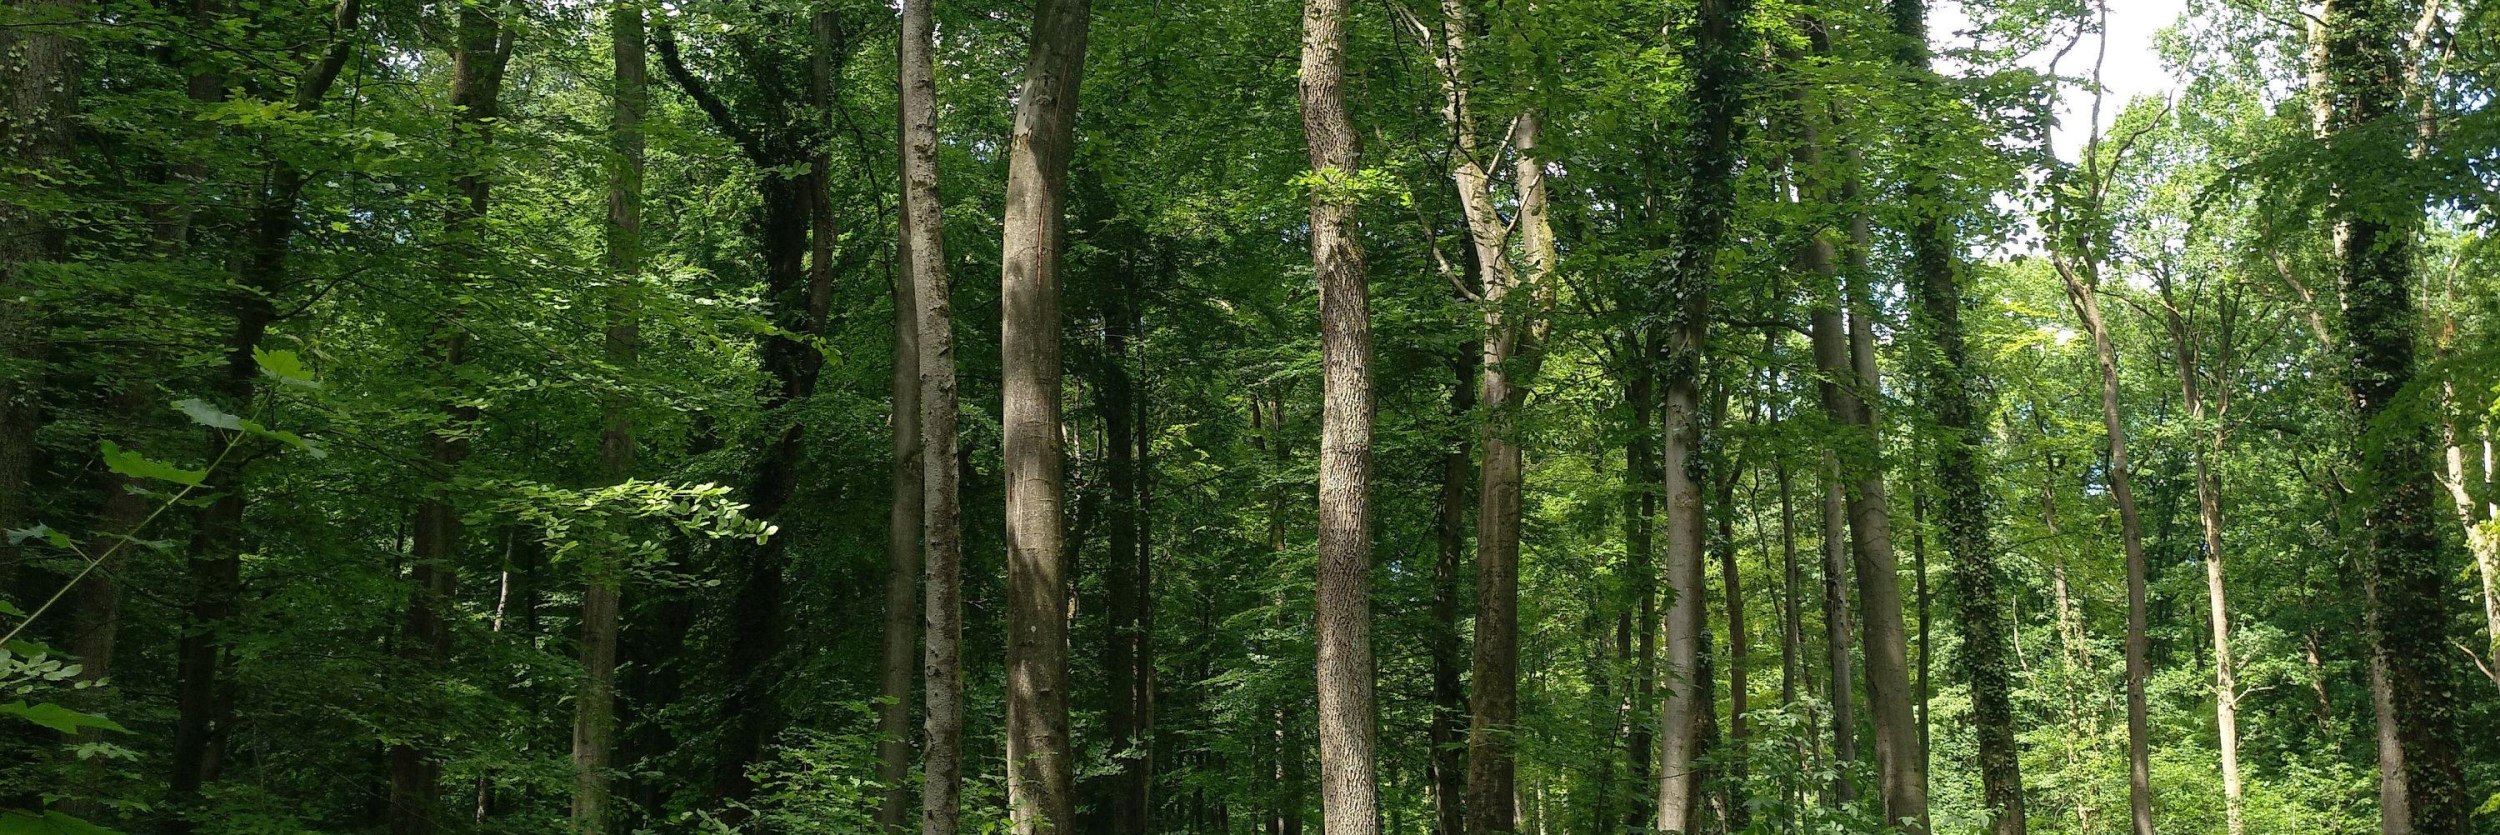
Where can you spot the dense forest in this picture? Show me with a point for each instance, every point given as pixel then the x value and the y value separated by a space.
pixel 1453 417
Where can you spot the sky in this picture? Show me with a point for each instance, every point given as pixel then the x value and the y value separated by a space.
pixel 2132 69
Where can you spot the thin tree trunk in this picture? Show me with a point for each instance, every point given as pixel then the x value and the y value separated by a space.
pixel 594 710
pixel 1349 788
pixel 1936 296
pixel 1640 523
pixel 2183 341
pixel 941 541
pixel 1448 731
pixel 1836 640
pixel 1732 586
pixel 2082 289
pixel 483 46
pixel 1038 758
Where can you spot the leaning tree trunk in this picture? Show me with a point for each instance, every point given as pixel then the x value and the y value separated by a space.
pixel 1721 63
pixel 1349 790
pixel 434 571
pixel 1038 760
pixel 594 709
pixel 1936 295
pixel 2082 280
pixel 924 257
pixel 2208 458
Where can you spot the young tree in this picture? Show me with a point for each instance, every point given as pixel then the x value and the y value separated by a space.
pixel 941 536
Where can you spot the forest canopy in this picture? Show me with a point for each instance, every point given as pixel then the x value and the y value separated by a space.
pixel 1457 417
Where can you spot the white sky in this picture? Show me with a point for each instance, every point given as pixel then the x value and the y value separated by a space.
pixel 2132 68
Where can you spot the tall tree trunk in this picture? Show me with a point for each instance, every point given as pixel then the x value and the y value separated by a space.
pixel 1039 797
pixel 924 260
pixel 1936 295
pixel 1349 789
pixel 1732 585
pixel 1836 641
pixel 1844 352
pixel 1721 63
pixel 2209 456
pixel 215 566
pixel 483 45
pixel 1448 731
pixel 2081 276
pixel 1510 346
pixel 1128 661
pixel 1639 637
pixel 594 709
pixel 41 59
pixel 2375 252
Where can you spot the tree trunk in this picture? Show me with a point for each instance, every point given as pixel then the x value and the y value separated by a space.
pixel 594 709
pixel 2209 457
pixel 1844 352
pixel 483 45
pixel 1349 788
pixel 2082 289
pixel 1038 761
pixel 1836 639
pixel 924 259
pixel 1936 296
pixel 1448 732
pixel 1128 662
pixel 1721 63
pixel 44 56
pixel 2375 254
pixel 1640 510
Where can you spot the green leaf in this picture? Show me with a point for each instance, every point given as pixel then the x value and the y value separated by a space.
pixel 22 822
pixel 42 532
pixel 285 367
pixel 11 609
pixel 59 718
pixel 206 415
pixel 134 465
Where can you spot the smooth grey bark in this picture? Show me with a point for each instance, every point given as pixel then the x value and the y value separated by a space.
pixel 2184 342
pixel 1349 788
pixel 1039 795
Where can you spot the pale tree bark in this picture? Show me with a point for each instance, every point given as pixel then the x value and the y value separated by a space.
pixel 594 709
pixel 1844 353
pixel 483 45
pixel 1936 301
pixel 2082 290
pixel 941 540
pixel 1721 64
pixel 1039 794
pixel 1349 788
pixel 2184 339
pixel 2374 251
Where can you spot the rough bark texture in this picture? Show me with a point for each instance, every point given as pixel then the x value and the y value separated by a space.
pixel 1038 762
pixel 2380 325
pixel 1721 63
pixel 1936 297
pixel 594 709
pixel 1349 790
pixel 924 252
pixel 483 46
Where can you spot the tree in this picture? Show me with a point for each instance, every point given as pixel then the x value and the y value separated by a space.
pixel 1037 561
pixel 1349 788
